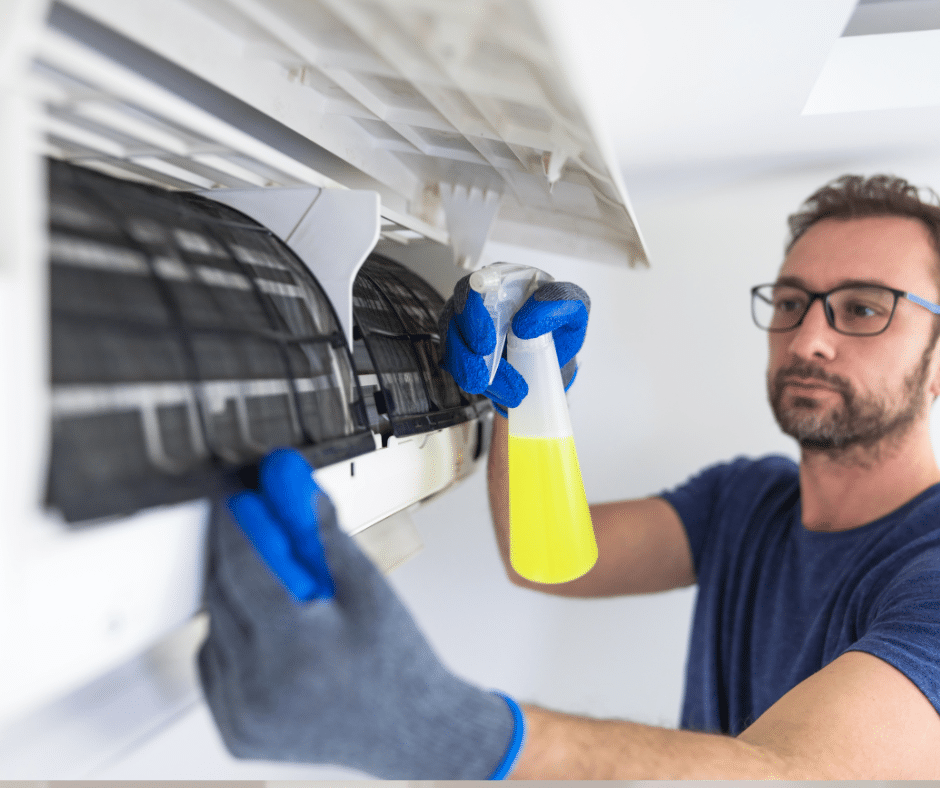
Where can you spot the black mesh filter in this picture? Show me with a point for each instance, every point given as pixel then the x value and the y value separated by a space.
pixel 396 313
pixel 185 338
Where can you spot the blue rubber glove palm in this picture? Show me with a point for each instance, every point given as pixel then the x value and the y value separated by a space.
pixel 468 336
pixel 314 659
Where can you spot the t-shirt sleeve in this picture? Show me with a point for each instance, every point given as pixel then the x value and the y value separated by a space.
pixel 697 499
pixel 904 624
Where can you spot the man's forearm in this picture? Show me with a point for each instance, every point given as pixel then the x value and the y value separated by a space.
pixel 561 746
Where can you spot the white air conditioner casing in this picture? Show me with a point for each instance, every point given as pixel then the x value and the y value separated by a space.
pixel 420 127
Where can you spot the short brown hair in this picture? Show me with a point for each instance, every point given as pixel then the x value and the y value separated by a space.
pixel 857 197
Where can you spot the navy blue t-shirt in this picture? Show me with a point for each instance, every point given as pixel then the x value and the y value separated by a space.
pixel 776 602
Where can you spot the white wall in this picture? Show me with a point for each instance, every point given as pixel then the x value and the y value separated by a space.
pixel 672 380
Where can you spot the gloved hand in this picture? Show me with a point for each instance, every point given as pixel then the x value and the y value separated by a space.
pixel 468 336
pixel 341 674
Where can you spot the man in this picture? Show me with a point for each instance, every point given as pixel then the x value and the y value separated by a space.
pixel 815 649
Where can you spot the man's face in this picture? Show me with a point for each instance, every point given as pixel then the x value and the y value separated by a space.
pixel 834 392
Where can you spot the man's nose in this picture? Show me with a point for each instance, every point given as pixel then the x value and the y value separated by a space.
pixel 814 337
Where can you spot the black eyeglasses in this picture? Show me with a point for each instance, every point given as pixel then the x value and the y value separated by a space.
pixel 856 310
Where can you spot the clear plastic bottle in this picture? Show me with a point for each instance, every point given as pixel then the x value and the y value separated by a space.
pixel 550 533
pixel 504 288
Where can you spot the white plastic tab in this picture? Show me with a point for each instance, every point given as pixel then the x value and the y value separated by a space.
pixel 331 230
pixel 469 214
pixel 333 239
pixel 280 210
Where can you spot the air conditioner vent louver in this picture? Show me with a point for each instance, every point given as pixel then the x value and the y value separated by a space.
pixel 185 338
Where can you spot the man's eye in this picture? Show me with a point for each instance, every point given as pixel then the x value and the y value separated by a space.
pixel 857 310
pixel 788 305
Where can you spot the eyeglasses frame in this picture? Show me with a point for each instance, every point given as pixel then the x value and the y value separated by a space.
pixel 827 310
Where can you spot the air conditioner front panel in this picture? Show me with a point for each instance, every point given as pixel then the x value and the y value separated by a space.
pixel 153 338
pixel 459 115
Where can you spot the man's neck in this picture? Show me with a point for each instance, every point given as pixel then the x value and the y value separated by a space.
pixel 846 490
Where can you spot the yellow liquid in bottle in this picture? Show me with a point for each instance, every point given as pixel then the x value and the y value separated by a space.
pixel 551 539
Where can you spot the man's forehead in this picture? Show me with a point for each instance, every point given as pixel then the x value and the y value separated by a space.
pixel 799 281
pixel 889 250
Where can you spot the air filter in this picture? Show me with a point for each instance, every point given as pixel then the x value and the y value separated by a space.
pixel 395 326
pixel 185 338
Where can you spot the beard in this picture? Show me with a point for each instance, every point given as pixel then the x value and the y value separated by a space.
pixel 859 422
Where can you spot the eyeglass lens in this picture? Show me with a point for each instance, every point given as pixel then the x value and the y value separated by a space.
pixel 851 310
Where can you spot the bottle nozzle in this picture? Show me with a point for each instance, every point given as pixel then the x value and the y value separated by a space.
pixel 485 279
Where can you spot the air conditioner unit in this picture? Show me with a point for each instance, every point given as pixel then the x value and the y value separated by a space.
pixel 230 225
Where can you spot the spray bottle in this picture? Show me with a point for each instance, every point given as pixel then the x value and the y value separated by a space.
pixel 550 534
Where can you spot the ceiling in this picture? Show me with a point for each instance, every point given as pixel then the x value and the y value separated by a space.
pixel 706 91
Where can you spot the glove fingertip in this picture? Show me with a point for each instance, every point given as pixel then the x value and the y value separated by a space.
pixel 466 367
pixel 537 317
pixel 508 388
pixel 287 484
pixel 304 508
pixel 476 325
pixel 286 466
pixel 533 318
pixel 568 342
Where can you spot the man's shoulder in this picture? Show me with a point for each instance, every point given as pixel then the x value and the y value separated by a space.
pixel 919 519
pixel 926 503
pixel 746 481
pixel 768 470
pixel 772 464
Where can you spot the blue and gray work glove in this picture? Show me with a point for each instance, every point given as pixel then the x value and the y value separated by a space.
pixel 314 659
pixel 468 336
